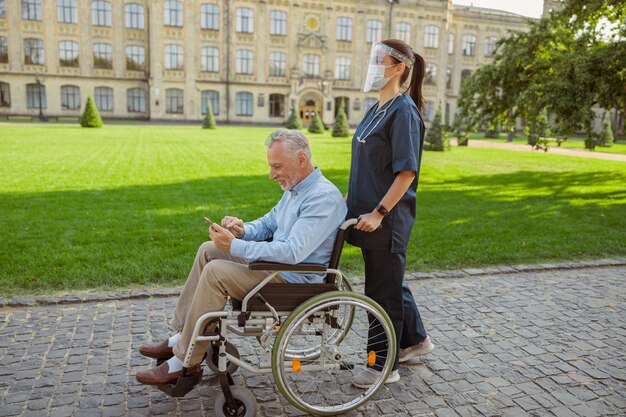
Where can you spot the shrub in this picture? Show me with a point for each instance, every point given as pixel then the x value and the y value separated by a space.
pixel 492 134
pixel 91 116
pixel 341 128
pixel 462 138
pixel 316 125
pixel 294 121
pixel 209 119
pixel 606 138
pixel 436 137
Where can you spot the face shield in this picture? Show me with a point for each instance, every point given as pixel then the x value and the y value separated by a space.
pixel 375 77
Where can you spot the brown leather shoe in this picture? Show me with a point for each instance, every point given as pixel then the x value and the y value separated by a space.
pixel 157 350
pixel 161 376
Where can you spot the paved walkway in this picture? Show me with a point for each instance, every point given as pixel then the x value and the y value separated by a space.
pixel 547 343
pixel 553 149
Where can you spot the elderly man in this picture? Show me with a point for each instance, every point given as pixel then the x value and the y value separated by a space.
pixel 303 226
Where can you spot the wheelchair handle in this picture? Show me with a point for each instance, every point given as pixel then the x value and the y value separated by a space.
pixel 348 223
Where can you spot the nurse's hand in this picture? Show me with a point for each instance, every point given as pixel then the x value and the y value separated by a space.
pixel 369 222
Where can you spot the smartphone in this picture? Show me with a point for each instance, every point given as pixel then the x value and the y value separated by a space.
pixel 209 221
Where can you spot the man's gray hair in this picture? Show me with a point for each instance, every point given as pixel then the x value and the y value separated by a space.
pixel 294 141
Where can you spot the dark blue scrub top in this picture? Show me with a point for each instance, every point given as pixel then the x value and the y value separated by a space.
pixel 395 144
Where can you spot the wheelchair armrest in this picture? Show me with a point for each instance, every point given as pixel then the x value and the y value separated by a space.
pixel 272 266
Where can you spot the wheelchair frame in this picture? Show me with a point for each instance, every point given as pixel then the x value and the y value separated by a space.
pixel 274 329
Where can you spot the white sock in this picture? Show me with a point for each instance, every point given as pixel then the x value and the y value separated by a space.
pixel 174 364
pixel 171 342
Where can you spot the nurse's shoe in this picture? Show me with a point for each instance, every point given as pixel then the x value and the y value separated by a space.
pixel 369 376
pixel 420 349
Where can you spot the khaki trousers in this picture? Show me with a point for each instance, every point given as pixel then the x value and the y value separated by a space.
pixel 214 276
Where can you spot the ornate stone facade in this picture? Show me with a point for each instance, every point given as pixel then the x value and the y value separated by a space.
pixel 253 60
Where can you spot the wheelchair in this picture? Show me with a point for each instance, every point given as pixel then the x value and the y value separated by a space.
pixel 317 336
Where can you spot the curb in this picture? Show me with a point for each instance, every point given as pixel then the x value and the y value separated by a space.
pixel 174 292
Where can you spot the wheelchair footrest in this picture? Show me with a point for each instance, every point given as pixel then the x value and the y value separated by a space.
pixel 183 385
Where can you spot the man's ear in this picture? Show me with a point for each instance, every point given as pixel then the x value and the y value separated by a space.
pixel 301 158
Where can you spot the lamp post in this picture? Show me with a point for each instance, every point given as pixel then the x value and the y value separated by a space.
pixel 39 79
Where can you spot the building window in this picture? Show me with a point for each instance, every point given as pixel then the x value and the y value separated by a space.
pixel 66 11
pixel 173 13
pixel 244 61
pixel 277 105
pixel 342 68
pixel 403 32
pixel 346 102
pixel 5 95
pixel 4 50
pixel 431 36
pixel 278 23
pixel 311 65
pixel 448 78
pixel 2 11
pixel 431 73
pixel 243 104
pixel 136 99
pixel 135 57
pixel 210 59
pixel 212 97
pixel 344 29
pixel 33 93
pixel 278 64
pixel 31 9
pixel 174 101
pixel 33 52
pixel 465 74
pixel 70 97
pixel 209 16
pixel 490 46
pixel 104 98
pixel 374 31
pixel 173 57
pixel 245 20
pixel 368 103
pixel 102 55
pixel 133 13
pixel 450 43
pixel 68 54
pixel 430 110
pixel 469 45
pixel 101 13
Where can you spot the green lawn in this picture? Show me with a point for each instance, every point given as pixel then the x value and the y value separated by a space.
pixel 122 206
pixel 618 147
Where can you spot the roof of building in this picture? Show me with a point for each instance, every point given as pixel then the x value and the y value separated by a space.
pixel 484 10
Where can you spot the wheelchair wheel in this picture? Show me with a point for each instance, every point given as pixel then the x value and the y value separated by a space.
pixel 322 384
pixel 212 358
pixel 246 404
pixel 344 317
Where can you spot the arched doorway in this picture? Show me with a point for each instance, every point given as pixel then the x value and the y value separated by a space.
pixel 310 103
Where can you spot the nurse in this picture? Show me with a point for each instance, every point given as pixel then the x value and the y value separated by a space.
pixel 384 172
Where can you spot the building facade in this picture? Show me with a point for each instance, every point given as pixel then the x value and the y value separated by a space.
pixel 251 61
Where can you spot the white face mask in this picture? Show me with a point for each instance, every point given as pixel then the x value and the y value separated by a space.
pixel 376 79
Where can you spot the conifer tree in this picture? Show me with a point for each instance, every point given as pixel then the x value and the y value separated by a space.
pixel 209 118
pixel 91 116
pixel 606 134
pixel 316 125
pixel 294 121
pixel 436 137
pixel 341 128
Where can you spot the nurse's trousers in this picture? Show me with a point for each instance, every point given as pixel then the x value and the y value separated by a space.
pixel 384 283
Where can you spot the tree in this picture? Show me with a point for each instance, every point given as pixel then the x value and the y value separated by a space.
pixel 91 116
pixel 605 138
pixel 539 129
pixel 436 138
pixel 316 125
pixel 341 128
pixel 209 118
pixel 294 121
pixel 553 66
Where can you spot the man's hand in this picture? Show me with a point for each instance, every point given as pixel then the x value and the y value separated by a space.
pixel 221 237
pixel 234 225
pixel 369 222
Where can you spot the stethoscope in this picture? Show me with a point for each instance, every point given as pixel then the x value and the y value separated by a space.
pixel 381 113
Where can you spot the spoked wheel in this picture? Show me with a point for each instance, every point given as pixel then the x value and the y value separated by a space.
pixel 245 404
pixel 212 358
pixel 343 317
pixel 323 384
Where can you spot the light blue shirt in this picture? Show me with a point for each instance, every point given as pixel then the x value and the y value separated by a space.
pixel 303 226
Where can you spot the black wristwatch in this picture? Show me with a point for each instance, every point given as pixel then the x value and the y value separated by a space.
pixel 382 210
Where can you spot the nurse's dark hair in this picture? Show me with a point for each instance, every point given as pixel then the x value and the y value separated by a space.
pixel 417 74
